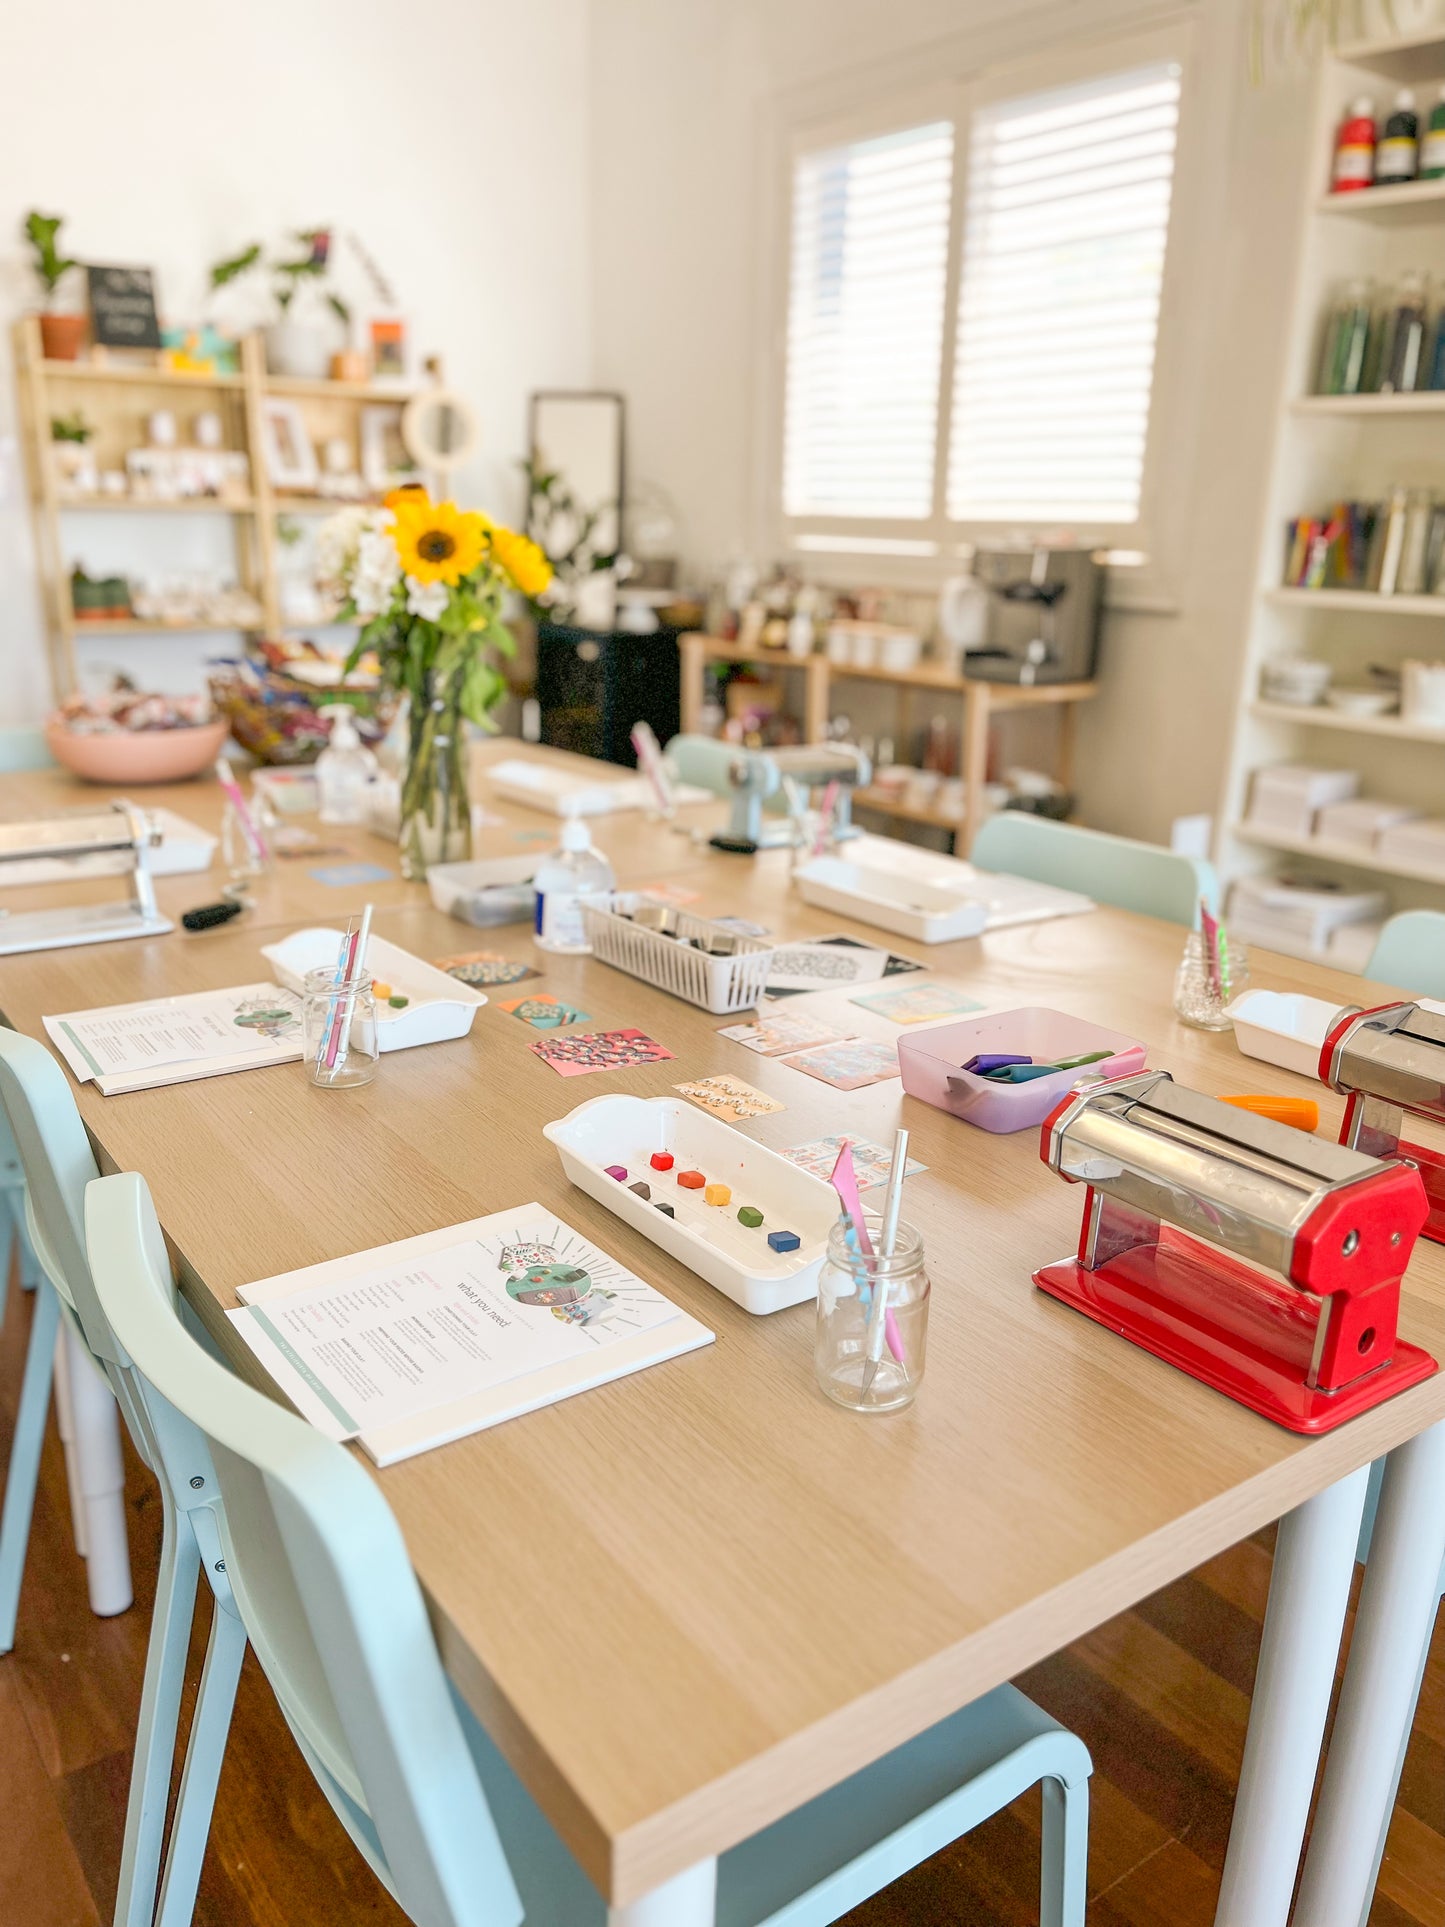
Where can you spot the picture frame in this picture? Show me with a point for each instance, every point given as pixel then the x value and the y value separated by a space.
pixel 385 460
pixel 286 446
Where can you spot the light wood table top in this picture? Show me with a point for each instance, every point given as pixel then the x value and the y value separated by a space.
pixel 686 1602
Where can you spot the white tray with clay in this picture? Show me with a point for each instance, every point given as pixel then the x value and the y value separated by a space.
pixel 438 1007
pixel 620 1133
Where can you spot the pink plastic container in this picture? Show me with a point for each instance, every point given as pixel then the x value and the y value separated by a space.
pixel 930 1063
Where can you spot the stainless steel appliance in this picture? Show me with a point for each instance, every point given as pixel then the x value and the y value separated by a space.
pixel 1043 618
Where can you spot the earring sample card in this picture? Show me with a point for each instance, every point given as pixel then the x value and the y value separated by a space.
pixel 414 1344
pixel 599 1050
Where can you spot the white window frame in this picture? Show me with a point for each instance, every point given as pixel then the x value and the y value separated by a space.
pixel 848 549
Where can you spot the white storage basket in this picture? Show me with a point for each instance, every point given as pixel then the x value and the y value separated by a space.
pixel 717 984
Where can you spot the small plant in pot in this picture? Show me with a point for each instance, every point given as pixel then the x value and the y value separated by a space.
pixel 295 345
pixel 61 335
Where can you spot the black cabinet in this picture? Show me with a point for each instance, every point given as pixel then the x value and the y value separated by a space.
pixel 593 686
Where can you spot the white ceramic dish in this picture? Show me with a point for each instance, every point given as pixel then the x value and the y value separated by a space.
pixel 1362 702
pixel 706 1238
pixel 1284 1027
pixel 439 1007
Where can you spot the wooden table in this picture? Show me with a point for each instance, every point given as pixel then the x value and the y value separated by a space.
pixel 655 1596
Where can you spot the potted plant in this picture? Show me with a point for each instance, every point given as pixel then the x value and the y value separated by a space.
pixel 426 581
pixel 61 335
pixel 294 345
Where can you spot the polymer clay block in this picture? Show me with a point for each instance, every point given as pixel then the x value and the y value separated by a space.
pixel 691 1180
pixel 666 1210
pixel 718 1194
pixel 784 1240
pixel 662 1160
pixel 644 1191
pixel 750 1215
pixel 618 1171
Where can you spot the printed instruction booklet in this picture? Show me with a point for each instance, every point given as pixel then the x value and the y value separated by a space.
pixel 414 1344
pixel 171 1040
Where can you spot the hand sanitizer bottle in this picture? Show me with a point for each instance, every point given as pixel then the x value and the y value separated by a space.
pixel 344 769
pixel 573 870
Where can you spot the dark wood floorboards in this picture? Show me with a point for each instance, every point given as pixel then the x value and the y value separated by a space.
pixel 1161 1696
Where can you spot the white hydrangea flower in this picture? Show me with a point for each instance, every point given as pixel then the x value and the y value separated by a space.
pixel 376 573
pixel 426 599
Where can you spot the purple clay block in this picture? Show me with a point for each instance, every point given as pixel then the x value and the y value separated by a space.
pixel 784 1240
pixel 987 1061
pixel 618 1171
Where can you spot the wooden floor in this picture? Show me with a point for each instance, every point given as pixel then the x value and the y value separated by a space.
pixel 1161 1696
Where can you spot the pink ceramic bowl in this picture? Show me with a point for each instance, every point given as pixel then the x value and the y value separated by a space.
pixel 128 757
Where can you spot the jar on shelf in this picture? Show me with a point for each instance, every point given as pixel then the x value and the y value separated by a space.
pixel 871 1339
pixel 1203 993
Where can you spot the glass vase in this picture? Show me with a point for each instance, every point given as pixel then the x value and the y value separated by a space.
pixel 436 815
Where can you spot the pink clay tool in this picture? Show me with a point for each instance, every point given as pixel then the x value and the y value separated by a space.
pixel 845 1182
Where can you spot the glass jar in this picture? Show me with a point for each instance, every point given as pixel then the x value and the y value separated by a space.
pixel 246 861
pixel 1200 1000
pixel 340 1030
pixel 869 1355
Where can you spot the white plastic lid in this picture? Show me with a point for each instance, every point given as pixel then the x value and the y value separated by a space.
pixel 1405 97
pixel 1363 108
pixel 575 834
pixel 343 726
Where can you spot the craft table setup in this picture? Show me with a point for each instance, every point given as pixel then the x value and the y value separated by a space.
pixel 637 1590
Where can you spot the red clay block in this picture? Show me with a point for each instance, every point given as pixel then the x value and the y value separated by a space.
pixel 662 1160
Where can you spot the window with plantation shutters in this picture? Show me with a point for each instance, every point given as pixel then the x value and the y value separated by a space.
pixel 963 372
pixel 866 325
pixel 1063 263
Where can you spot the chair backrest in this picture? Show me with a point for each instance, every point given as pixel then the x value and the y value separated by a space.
pixel 325 1590
pixel 23 749
pixel 1410 952
pixel 1111 869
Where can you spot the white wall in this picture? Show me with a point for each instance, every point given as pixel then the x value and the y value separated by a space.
pixel 453 138
pixel 689 98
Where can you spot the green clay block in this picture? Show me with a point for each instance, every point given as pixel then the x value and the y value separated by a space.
pixel 750 1216
pixel 398 1003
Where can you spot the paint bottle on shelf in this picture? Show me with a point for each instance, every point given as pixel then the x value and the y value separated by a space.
pixel 1432 143
pixel 1354 165
pixel 1397 152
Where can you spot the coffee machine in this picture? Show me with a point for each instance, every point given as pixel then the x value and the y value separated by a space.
pixel 1043 617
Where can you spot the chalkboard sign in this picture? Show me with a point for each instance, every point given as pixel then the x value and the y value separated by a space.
pixel 123 308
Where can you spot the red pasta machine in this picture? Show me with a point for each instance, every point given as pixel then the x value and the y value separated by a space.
pixel 1260 1260
pixel 1390 1063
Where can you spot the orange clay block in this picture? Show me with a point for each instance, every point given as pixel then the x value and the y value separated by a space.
pixel 382 991
pixel 718 1194
pixel 691 1180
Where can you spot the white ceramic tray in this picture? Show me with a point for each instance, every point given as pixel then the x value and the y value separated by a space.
pixel 1284 1027
pixel 706 1238
pixel 541 787
pixel 440 1008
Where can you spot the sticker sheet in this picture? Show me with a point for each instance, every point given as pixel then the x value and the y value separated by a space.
pixel 676 894
pixel 729 1098
pixel 831 963
pixel 772 1036
pixel 849 1066
pixel 586 1051
pixel 871 1162
pixel 543 1011
pixel 916 1003
pixel 483 968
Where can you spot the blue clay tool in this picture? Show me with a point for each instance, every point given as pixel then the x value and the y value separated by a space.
pixel 1022 1073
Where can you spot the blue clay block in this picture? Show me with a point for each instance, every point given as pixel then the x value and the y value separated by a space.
pixel 784 1240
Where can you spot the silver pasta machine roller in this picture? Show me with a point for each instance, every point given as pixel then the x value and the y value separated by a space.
pixel 1258 1259
pixel 1390 1064
pixel 123 837
pixel 757 775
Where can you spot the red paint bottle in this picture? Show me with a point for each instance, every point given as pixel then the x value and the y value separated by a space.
pixel 1354 166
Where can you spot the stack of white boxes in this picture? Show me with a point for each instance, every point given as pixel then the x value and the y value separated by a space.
pixel 1285 798
pixel 1418 843
pixel 1307 918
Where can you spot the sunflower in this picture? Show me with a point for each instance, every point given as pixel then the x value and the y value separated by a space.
pixel 436 541
pixel 404 492
pixel 521 560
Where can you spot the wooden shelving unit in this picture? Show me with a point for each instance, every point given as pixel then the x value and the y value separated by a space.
pixel 981 701
pixel 1332 448
pixel 115 395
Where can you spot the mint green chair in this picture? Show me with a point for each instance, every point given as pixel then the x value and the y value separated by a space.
pixel 1144 877
pixel 22 749
pixel 322 1582
pixel 1410 952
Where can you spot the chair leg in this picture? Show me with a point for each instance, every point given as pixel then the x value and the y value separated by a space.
pixel 65 1425
pixel 100 1472
pixel 205 1751
pixel 160 1707
pixel 23 1470
pixel 1064 1873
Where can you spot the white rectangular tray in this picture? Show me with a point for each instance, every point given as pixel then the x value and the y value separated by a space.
pixel 440 1008
pixel 904 905
pixel 722 985
pixel 1005 899
pixel 560 793
pixel 706 1238
pixel 1284 1027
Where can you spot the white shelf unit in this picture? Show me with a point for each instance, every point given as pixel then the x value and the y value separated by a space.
pixel 1328 449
